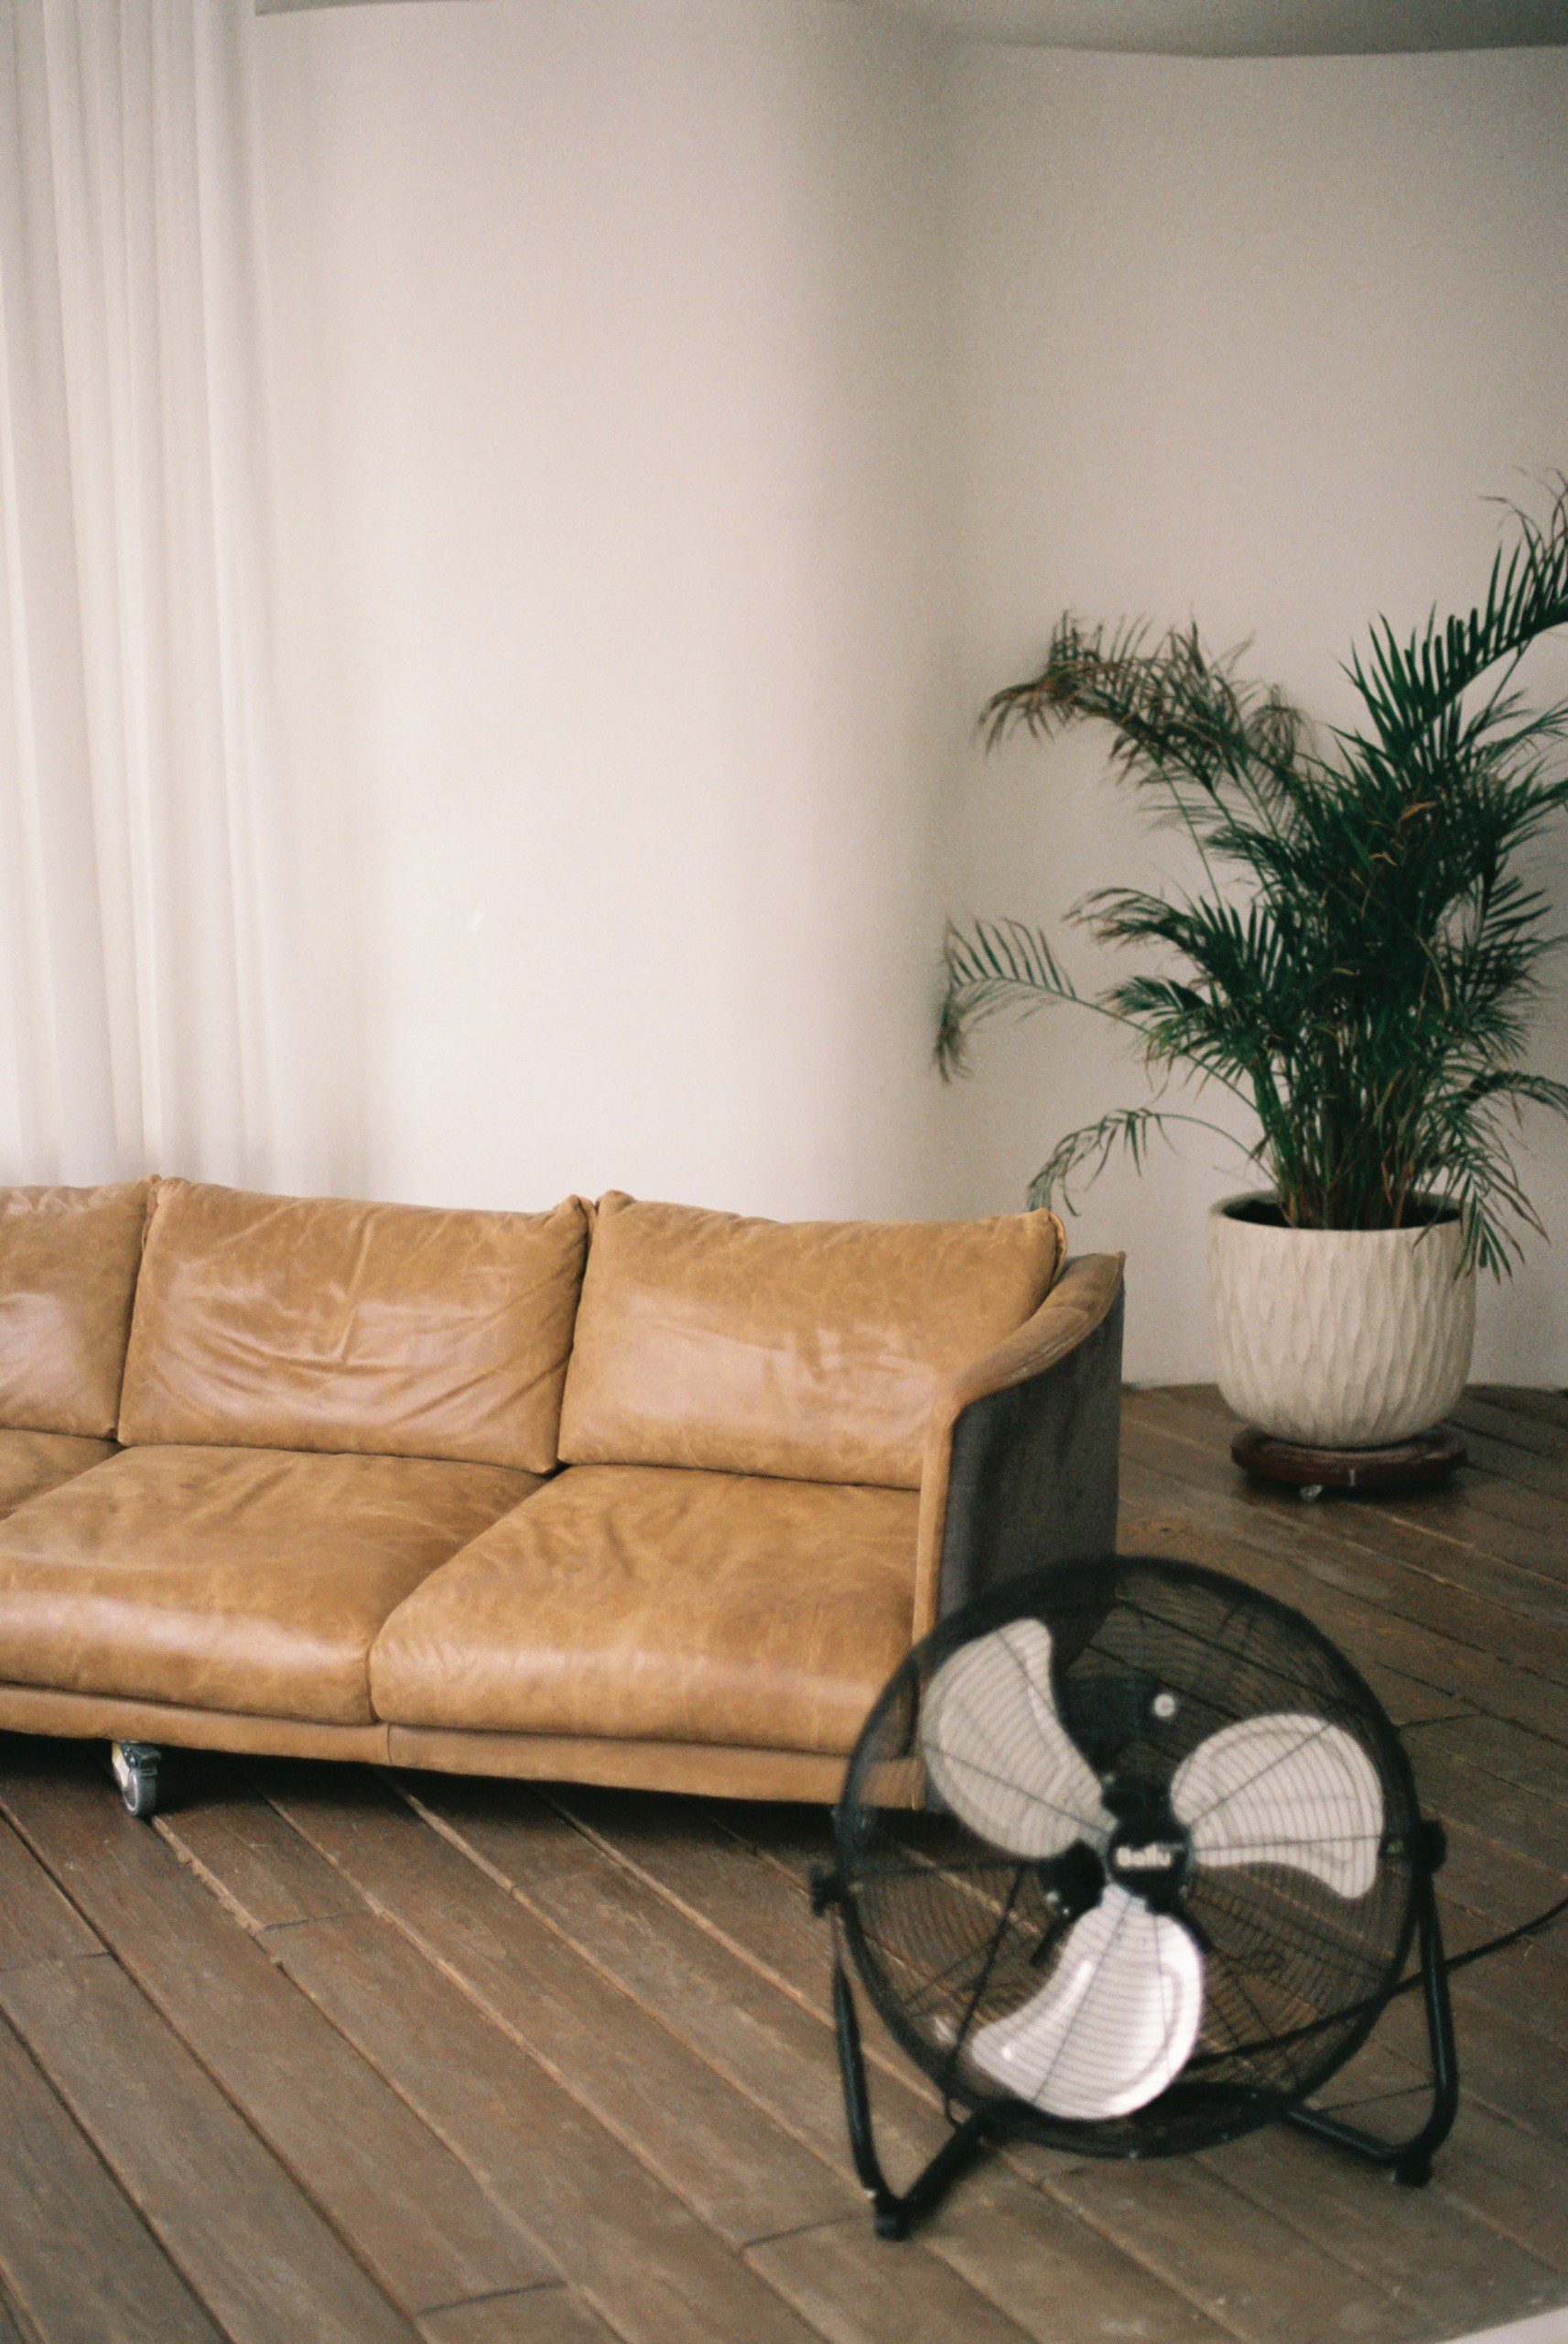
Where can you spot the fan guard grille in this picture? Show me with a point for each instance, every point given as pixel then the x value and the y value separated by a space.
pixel 1150 1659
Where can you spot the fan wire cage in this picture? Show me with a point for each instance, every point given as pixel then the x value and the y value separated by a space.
pixel 1130 1859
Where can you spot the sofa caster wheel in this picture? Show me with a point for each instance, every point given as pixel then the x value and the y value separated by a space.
pixel 136 1765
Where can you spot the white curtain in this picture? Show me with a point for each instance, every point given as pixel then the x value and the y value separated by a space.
pixel 145 922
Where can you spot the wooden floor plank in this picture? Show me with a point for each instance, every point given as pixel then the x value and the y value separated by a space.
pixel 642 2260
pixel 485 2064
pixel 406 2208
pixel 1488 1575
pixel 1269 2282
pixel 246 2240
pixel 679 1854
pixel 1508 2067
pixel 542 2315
pixel 1506 2177
pixel 38 1921
pixel 1480 1504
pixel 742 2174
pixel 1522 1523
pixel 682 1855
pixel 1433 2257
pixel 1548 1407
pixel 1500 1887
pixel 661 2085
pixel 1323 1587
pixel 222 1827
pixel 1449 1517
pixel 530 1861
pixel 1491 1409
pixel 776 2048
pixel 1496 1746
pixel 1508 1463
pixel 76 2260
pixel 1368 1558
pixel 856 2290
pixel 1518 1817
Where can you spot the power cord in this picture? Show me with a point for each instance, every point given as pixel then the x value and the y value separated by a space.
pixel 1533 1927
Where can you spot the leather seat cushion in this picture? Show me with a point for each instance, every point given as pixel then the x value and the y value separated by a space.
pixel 67 1271
pixel 294 1322
pixel 244 1580
pixel 671 1606
pixel 808 1349
pixel 31 1462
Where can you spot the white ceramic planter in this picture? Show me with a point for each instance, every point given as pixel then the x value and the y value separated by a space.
pixel 1343 1339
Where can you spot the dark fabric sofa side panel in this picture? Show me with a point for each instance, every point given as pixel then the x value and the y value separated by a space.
pixel 1036 1471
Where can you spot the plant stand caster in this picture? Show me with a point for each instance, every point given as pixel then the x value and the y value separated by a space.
pixel 136 1765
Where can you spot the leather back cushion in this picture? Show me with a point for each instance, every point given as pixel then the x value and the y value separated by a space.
pixel 810 1349
pixel 393 1330
pixel 67 1271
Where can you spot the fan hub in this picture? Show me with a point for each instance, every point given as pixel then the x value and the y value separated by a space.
pixel 1074 1884
pixel 1150 1854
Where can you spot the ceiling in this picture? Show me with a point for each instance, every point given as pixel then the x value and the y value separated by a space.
pixel 1221 28
pixel 1252 27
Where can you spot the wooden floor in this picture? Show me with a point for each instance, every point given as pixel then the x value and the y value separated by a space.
pixel 330 2058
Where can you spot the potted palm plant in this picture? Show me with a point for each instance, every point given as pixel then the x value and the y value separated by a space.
pixel 1355 963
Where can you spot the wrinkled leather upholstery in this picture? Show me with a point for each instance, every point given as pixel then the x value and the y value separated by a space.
pixel 112 1717
pixel 812 1349
pixel 702 1769
pixel 280 1322
pixel 31 1462
pixel 679 1606
pixel 230 1578
pixel 67 1271
pixel 329 1535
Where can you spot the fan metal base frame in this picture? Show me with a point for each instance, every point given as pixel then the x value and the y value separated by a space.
pixel 895 2213
pixel 1410 2161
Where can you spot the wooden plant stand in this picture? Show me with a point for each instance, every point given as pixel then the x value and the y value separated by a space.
pixel 1404 1465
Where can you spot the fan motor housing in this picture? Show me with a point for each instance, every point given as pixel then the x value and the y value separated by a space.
pixel 1148 1851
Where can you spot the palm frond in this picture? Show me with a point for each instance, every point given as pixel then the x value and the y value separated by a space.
pixel 991 966
pixel 1082 1153
pixel 1413 687
pixel 1362 960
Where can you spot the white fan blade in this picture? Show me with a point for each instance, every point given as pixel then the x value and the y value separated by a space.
pixel 1284 1790
pixel 1114 2023
pixel 999 1754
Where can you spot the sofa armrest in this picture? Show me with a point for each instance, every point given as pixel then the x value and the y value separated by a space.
pixel 1020 1465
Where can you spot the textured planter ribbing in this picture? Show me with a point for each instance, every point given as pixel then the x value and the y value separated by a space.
pixel 1340 1339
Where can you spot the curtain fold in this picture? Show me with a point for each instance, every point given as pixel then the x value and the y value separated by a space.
pixel 149 1018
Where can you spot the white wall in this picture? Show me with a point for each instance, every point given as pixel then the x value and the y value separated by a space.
pixel 611 461
pixel 690 409
pixel 1249 342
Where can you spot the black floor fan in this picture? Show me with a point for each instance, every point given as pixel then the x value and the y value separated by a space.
pixel 1130 1861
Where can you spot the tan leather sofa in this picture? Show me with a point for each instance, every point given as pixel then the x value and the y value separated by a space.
pixel 629 1493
